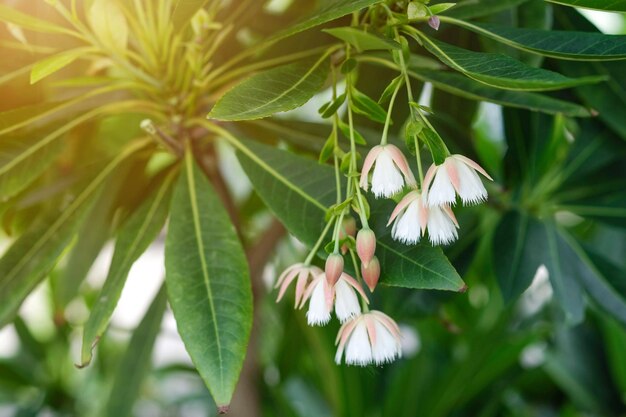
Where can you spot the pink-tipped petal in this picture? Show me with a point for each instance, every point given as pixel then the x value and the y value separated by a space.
pixel 423 215
pixel 353 282
pixel 474 165
pixel 450 214
pixel 453 174
pixel 367 165
pixel 400 160
pixel 285 273
pixel 303 278
pixel 286 282
pixel 329 295
pixel 371 329
pixel 386 321
pixel 310 288
pixel 402 205
pixel 430 174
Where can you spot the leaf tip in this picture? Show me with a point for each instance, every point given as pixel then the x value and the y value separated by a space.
pixel 463 288
pixel 223 409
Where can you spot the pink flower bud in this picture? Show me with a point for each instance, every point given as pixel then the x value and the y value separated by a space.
pixel 333 268
pixel 371 273
pixel 434 22
pixel 348 228
pixel 366 245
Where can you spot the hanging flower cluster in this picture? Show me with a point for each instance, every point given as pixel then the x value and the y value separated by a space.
pixel 368 336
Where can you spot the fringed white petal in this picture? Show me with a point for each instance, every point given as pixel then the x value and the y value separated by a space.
pixel 472 190
pixel 442 191
pixel 387 346
pixel 387 179
pixel 441 228
pixel 358 349
pixel 346 301
pixel 318 313
pixel 406 227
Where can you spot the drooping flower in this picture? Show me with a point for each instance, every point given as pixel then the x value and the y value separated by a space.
pixel 391 171
pixel 411 219
pixel 372 337
pixel 323 298
pixel 457 175
pixel 300 272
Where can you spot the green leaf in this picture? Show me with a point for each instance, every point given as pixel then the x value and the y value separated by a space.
pixel 614 342
pixel 441 7
pixel 109 24
pixel 299 191
pixel 276 90
pixel 333 10
pixel 133 239
pixel 363 41
pixel 386 95
pixel 575 45
pixel 52 64
pixel 468 88
pixel 596 275
pixel 605 5
pixel 10 15
pixel 365 106
pixel 332 106
pixel 34 254
pixel 437 148
pixel 607 98
pixel 502 71
pixel 137 360
pixel 469 9
pixel 184 11
pixel 16 172
pixel 208 283
pixel 516 258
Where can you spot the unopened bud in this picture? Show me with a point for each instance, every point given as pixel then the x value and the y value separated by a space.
pixel 333 268
pixel 366 245
pixel 348 228
pixel 371 273
pixel 434 22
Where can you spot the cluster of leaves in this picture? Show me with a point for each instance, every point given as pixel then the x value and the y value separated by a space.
pixel 78 171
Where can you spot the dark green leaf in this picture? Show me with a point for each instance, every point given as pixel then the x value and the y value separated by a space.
pixel 390 89
pixel 276 90
pixel 133 239
pixel 576 45
pixel 437 148
pixel 329 148
pixel 606 5
pixel 136 361
pixel 364 105
pixel 299 191
pixel 208 282
pixel 333 106
pixel 363 41
pixel 468 88
pixel 358 138
pixel 333 10
pixel 502 71
pixel 35 253
pixel 468 9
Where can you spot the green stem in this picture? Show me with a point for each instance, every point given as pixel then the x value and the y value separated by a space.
pixel 357 272
pixel 383 140
pixel 319 242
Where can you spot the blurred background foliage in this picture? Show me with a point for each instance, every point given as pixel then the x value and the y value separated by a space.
pixel 488 352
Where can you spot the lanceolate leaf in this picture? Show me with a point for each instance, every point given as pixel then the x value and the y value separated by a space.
pixel 333 10
pixel 466 87
pixel 184 11
pixel 363 41
pixel 133 239
pixel 10 15
pixel 468 9
pixel 584 46
pixel 16 174
pixel 502 71
pixel 208 283
pixel 606 5
pixel 299 191
pixel 52 64
pixel 276 90
pixel 33 255
pixel 136 361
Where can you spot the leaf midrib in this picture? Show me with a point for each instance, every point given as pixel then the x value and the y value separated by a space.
pixel 283 94
pixel 205 271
